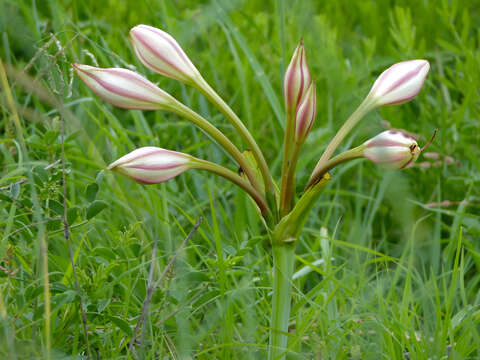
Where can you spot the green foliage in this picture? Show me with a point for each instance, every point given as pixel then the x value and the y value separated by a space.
pixel 398 272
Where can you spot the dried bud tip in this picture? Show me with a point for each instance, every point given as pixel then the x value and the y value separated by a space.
pixel 429 141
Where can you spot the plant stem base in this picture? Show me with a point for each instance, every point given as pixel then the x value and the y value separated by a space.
pixel 283 261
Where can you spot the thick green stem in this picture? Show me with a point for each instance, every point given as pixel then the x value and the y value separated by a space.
pixel 284 238
pixel 201 85
pixel 283 261
pixel 237 180
pixel 218 136
pixel 353 120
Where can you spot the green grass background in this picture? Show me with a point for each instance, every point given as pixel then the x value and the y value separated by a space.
pixel 395 276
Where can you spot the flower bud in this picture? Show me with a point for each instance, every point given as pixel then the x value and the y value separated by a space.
pixel 400 83
pixel 392 149
pixel 152 165
pixel 158 51
pixel 124 88
pixel 297 79
pixel 305 115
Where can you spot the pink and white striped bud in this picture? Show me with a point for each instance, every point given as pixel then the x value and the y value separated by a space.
pixel 152 165
pixel 161 53
pixel 124 88
pixel 297 79
pixel 305 115
pixel 400 83
pixel 392 149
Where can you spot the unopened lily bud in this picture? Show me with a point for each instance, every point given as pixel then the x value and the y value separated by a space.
pixel 305 115
pixel 124 88
pixel 400 83
pixel 392 149
pixel 297 79
pixel 161 53
pixel 152 165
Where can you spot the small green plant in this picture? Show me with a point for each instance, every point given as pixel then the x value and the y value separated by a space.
pixel 283 211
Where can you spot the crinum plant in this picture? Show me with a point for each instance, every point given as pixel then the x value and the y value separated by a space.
pixel 283 211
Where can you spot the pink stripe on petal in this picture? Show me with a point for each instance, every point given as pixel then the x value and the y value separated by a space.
pixel 128 158
pixel 400 83
pixel 122 104
pixel 300 121
pixel 306 113
pixel 155 167
pixel 168 38
pixel 378 83
pixel 147 63
pixel 383 142
pixel 161 57
pixel 301 79
pixel 146 152
pixel 409 75
pixel 151 98
pixel 314 114
pixel 177 49
pixel 116 89
pixel 289 81
pixel 151 165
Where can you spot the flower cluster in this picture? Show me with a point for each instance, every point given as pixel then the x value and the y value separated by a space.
pixel 161 53
pixel 282 214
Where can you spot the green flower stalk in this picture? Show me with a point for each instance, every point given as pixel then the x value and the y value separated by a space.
pixel 284 240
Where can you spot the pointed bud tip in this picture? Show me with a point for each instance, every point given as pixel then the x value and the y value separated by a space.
pixel 78 67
